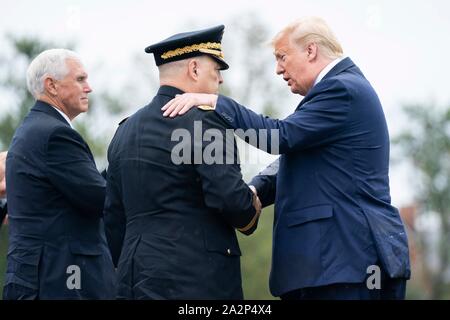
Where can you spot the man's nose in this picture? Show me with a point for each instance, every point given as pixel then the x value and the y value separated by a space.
pixel 220 79
pixel 87 88
pixel 279 69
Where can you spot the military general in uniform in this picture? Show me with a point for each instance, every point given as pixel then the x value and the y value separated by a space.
pixel 171 224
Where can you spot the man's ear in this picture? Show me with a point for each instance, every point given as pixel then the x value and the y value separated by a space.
pixel 193 69
pixel 50 86
pixel 311 50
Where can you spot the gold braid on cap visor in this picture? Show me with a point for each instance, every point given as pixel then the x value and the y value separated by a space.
pixel 202 47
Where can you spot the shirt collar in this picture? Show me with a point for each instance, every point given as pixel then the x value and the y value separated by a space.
pixel 327 69
pixel 64 116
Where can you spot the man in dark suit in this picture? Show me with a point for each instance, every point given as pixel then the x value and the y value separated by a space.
pixel 170 212
pixel 57 245
pixel 336 234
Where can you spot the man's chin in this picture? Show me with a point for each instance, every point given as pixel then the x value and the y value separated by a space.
pixel 297 91
pixel 84 108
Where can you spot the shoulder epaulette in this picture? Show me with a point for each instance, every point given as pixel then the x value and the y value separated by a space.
pixel 206 108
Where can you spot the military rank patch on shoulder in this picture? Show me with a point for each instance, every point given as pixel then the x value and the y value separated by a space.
pixel 205 108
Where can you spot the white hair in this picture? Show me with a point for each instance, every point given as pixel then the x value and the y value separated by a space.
pixel 49 63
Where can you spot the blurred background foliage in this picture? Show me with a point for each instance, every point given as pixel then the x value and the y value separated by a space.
pixel 426 147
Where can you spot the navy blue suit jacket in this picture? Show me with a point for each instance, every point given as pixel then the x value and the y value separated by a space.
pixel 55 206
pixel 333 212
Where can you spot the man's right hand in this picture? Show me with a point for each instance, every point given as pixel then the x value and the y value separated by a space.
pixel 2 174
pixel 256 202
pixel 247 230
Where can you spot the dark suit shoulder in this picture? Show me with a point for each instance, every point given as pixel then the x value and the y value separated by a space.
pixel 40 124
pixel 353 85
pixel 338 82
pixel 336 87
pixel 210 118
pixel 66 132
pixel 34 131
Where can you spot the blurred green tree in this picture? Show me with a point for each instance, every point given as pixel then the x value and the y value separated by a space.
pixel 427 146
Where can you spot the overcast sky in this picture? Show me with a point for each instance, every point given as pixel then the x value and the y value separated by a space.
pixel 402 46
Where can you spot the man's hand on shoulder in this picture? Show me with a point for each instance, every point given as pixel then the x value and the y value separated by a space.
pixel 184 102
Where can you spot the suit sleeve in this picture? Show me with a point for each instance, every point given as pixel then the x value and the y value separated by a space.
pixel 265 183
pixel 222 184
pixel 317 122
pixel 114 216
pixel 71 169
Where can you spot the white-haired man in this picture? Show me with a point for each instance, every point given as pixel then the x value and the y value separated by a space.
pixel 57 245
pixel 336 234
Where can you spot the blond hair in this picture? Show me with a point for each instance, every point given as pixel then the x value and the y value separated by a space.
pixel 312 30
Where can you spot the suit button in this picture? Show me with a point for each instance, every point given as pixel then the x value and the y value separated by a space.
pixel 228 251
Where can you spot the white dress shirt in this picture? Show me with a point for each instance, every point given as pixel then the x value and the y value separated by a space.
pixel 327 69
pixel 64 115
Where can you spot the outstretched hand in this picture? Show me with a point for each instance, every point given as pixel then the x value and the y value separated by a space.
pixel 184 102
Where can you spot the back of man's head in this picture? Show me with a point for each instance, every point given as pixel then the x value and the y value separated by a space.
pixel 49 63
pixel 312 29
pixel 192 74
pixel 173 70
